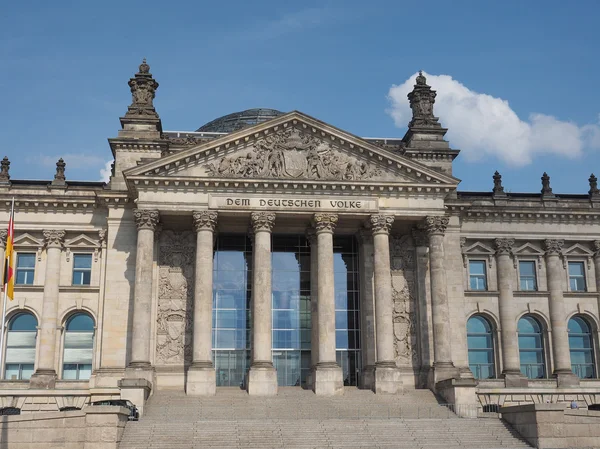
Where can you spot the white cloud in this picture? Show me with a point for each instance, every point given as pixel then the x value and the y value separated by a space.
pixel 482 125
pixel 105 172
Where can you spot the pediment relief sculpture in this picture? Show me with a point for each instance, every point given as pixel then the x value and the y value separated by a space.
pixel 293 154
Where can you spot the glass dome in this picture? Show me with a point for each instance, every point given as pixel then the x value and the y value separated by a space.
pixel 239 120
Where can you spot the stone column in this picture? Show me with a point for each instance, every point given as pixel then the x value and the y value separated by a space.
pixel 387 375
pixel 146 221
pixel 511 367
pixel 560 338
pixel 45 374
pixel 443 366
pixel 311 236
pixel 597 268
pixel 367 309
pixel 262 377
pixel 328 376
pixel 201 379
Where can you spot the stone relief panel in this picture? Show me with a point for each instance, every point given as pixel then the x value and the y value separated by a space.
pixel 293 154
pixel 402 255
pixel 175 297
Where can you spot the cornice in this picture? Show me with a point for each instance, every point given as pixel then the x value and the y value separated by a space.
pixel 524 215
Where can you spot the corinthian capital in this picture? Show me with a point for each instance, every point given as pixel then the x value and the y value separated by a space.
pixel 3 237
pixel 205 220
pixel 553 246
pixel 54 238
pixel 504 246
pixel 596 246
pixel 381 224
pixel 436 225
pixel 145 219
pixel 262 221
pixel 325 222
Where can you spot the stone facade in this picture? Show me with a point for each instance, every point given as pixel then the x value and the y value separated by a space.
pixel 150 235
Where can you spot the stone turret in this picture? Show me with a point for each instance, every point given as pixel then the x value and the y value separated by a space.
pixel 424 140
pixel 140 136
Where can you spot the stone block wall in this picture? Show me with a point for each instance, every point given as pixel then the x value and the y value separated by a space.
pixel 92 428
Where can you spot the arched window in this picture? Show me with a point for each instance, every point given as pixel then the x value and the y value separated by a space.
pixel 531 348
pixel 581 345
pixel 79 344
pixel 20 347
pixel 480 342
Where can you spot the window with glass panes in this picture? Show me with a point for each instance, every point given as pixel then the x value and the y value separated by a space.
pixel 480 345
pixel 20 347
pixel 25 269
pixel 291 309
pixel 78 347
pixel 531 348
pixel 232 281
pixel 477 275
pixel 347 307
pixel 527 275
pixel 577 276
pixel 581 345
pixel 82 269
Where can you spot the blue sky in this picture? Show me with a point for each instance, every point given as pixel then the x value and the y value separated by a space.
pixel 524 72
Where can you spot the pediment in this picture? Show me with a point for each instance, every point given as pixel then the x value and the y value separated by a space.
pixel 578 250
pixel 27 239
pixel 292 147
pixel 82 241
pixel 478 248
pixel 528 249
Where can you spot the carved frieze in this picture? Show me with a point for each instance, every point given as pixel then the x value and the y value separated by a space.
pixel 293 154
pixel 175 297
pixel 402 253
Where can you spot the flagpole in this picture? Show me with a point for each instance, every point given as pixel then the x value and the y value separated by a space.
pixel 2 352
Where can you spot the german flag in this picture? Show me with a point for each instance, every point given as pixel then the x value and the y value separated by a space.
pixel 9 267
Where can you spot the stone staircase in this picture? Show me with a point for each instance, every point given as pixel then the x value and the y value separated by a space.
pixel 296 418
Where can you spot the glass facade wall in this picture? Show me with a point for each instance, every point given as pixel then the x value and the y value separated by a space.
pixel 232 280
pixel 347 307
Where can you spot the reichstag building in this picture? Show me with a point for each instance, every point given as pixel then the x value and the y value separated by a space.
pixel 271 249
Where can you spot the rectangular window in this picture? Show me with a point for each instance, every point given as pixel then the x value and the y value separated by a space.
pixel 82 269
pixel 25 268
pixel 477 275
pixel 576 276
pixel 527 276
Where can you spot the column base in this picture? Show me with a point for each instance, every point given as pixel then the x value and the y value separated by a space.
pixel 328 379
pixel 566 379
pixel 442 371
pixel 43 380
pixel 367 378
pixel 515 379
pixel 262 379
pixel 388 379
pixel 201 380
pixel 137 391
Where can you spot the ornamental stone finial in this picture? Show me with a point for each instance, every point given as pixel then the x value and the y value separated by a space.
pixel 593 192
pixel 546 189
pixel 146 219
pixel 205 220
pixel 504 246
pixel 143 90
pixel 436 225
pixel 4 167
pixel 421 101
pixel 498 188
pixel 325 222
pixel 59 177
pixel 381 224
pixel 3 237
pixel 262 221
pixel 553 246
pixel 54 238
